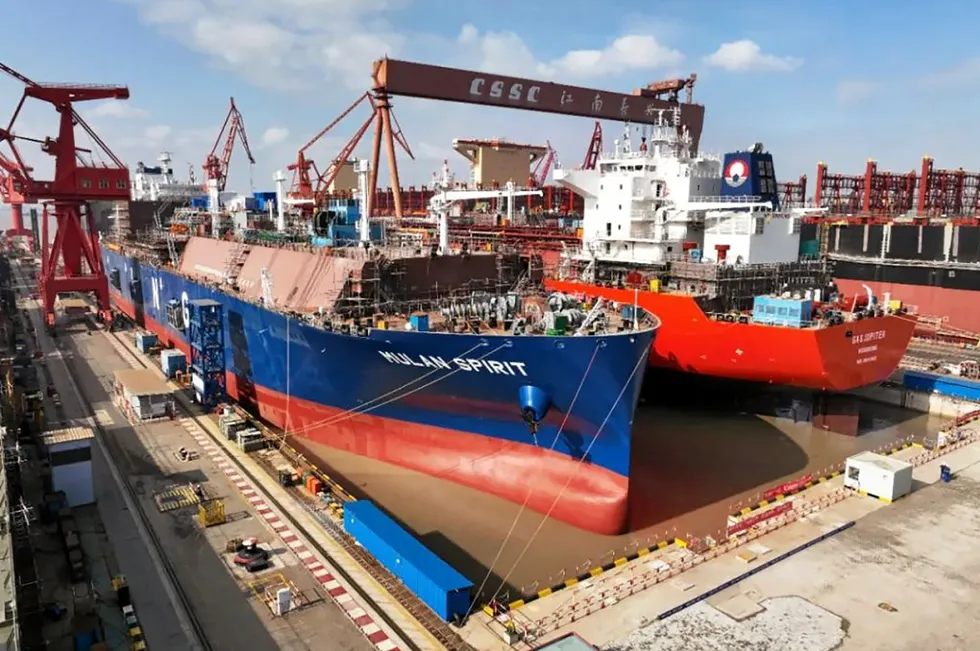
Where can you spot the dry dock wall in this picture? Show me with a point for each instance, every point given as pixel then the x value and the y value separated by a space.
pixel 929 402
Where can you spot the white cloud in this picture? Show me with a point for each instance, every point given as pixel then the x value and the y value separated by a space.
pixel 964 73
pixel 116 109
pixel 506 53
pixel 158 133
pixel 856 91
pixel 300 44
pixel 747 56
pixel 274 136
pixel 625 54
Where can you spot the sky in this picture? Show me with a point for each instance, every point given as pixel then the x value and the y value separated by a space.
pixel 830 81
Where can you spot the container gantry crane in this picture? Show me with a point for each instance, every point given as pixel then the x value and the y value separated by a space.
pixel 73 263
pixel 216 169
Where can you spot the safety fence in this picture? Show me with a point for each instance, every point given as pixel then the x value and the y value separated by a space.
pixel 782 491
pixel 599 595
pixel 591 597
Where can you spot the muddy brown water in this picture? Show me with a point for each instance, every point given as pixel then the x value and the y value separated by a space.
pixel 690 470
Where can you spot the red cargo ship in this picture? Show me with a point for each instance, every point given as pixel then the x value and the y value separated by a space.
pixel 835 358
pixel 706 240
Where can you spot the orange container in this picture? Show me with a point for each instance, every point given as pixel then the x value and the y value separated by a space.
pixel 315 486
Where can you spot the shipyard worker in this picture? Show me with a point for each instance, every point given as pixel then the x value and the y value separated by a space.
pixel 643 144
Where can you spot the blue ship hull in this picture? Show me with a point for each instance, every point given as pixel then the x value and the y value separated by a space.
pixel 444 404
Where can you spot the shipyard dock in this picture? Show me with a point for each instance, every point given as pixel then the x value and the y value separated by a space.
pixel 174 465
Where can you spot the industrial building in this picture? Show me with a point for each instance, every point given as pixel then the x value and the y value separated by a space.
pixel 142 395
pixel 496 162
pixel 69 453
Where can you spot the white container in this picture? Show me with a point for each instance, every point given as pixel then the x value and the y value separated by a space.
pixel 883 477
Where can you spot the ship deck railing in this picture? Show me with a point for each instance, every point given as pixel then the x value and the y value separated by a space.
pixel 896 262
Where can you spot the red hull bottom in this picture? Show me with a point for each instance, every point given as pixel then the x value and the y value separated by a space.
pixel 956 305
pixel 591 498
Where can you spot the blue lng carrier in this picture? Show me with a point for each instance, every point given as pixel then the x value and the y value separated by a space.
pixel 429 362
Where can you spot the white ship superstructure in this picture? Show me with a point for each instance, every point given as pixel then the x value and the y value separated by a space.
pixel 160 184
pixel 662 202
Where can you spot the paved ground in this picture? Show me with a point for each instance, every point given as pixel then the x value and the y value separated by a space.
pixel 224 598
pixel 690 471
pixel 904 578
pixel 158 619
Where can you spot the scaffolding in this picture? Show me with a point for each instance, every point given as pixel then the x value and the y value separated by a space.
pixel 207 343
pixel 734 287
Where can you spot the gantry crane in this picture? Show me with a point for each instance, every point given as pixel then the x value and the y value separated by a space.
pixel 75 184
pixel 309 191
pixel 216 169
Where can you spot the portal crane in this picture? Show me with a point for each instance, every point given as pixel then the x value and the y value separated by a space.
pixel 310 191
pixel 75 184
pixel 595 148
pixel 216 169
pixel 539 175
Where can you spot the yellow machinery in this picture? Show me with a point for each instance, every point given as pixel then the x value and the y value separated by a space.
pixel 211 513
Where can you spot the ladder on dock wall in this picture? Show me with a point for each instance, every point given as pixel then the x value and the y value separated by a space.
pixel 235 262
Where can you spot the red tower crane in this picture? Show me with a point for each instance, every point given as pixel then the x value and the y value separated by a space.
pixel 217 168
pixel 75 184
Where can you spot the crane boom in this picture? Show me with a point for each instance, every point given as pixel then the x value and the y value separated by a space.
pixel 215 168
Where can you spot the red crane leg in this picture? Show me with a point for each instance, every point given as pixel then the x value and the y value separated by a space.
pixel 73 263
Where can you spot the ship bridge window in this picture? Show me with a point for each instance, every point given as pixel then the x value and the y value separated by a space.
pixel 781 311
pixel 770 309
pixel 103 183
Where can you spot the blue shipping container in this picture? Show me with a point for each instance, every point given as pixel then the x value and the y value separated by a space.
pixel 145 341
pixel 432 580
pixel 947 385
pixel 419 322
pixel 172 361
pixel 790 312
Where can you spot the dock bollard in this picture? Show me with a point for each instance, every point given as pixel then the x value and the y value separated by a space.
pixel 945 474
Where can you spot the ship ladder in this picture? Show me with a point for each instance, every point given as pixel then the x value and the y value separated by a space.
pixel 236 260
